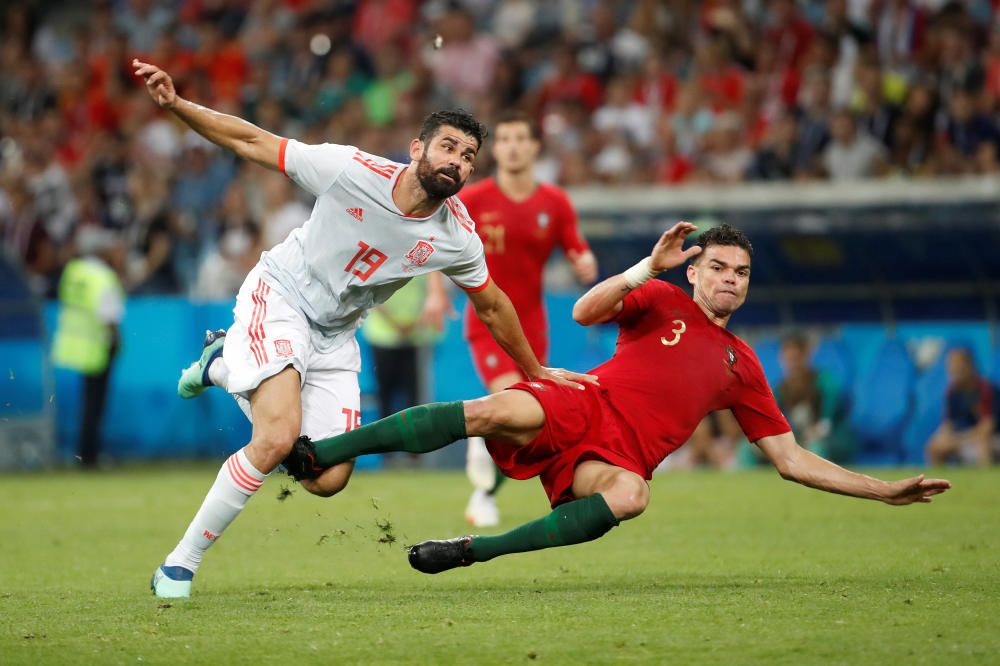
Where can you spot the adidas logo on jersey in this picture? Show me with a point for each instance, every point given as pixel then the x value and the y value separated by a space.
pixel 357 214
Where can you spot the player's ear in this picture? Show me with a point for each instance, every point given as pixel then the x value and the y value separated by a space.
pixel 416 150
pixel 691 272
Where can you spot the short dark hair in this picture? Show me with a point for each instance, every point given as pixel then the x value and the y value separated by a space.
pixel 724 235
pixel 460 119
pixel 514 116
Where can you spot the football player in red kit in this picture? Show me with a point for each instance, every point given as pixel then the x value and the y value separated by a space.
pixel 595 446
pixel 520 222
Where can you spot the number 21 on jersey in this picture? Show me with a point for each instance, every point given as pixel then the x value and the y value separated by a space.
pixel 369 259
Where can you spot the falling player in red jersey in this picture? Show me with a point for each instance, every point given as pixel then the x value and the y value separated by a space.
pixel 595 447
pixel 520 221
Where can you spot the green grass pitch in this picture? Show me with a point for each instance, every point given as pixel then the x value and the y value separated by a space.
pixel 721 569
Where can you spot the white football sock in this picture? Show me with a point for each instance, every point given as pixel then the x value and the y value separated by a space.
pixel 479 467
pixel 237 481
pixel 218 372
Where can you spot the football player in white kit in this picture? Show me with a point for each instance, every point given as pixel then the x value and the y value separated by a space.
pixel 290 357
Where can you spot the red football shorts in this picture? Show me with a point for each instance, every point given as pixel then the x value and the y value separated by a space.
pixel 579 426
pixel 491 361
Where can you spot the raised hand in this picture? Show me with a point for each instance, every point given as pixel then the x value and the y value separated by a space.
pixel 669 251
pixel 158 83
pixel 915 489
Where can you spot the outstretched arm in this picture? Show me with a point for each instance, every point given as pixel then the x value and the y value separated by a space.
pixel 245 139
pixel 795 463
pixel 604 301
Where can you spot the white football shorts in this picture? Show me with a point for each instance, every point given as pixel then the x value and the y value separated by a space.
pixel 267 336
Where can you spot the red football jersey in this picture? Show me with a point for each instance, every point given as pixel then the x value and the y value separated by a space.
pixel 518 237
pixel 673 365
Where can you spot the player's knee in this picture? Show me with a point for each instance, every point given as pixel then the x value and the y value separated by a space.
pixel 273 444
pixel 627 495
pixel 487 416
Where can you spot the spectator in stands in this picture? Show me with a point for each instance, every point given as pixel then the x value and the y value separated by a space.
pixel 26 238
pixel 569 84
pixel 789 30
pixel 969 426
pixel 392 83
pixel 341 81
pixel 815 114
pixel 812 402
pixel 836 47
pixel 623 116
pixel 672 167
pixel 150 237
pixel 876 99
pixel 851 154
pixel 920 109
pixel 142 20
pixel 713 444
pixel 66 85
pixel 957 67
pixel 991 68
pixel 721 80
pixel 726 157
pixel 969 140
pixel 464 65
pixel 776 159
pixel 224 269
pixel 901 35
pixel 280 211
pixel 691 120
pixel 909 149
pixel 655 85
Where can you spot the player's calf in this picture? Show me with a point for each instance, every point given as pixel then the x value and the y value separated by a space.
pixel 626 493
pixel 330 481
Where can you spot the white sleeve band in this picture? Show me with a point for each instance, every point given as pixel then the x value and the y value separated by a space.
pixel 640 274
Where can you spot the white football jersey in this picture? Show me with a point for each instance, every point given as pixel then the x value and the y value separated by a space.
pixel 357 248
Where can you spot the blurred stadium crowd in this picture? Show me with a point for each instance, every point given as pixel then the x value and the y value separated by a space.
pixel 637 92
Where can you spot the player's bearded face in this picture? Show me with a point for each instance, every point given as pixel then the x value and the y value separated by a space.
pixel 439 182
pixel 443 168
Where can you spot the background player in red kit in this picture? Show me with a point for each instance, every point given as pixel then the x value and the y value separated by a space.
pixel 594 447
pixel 520 221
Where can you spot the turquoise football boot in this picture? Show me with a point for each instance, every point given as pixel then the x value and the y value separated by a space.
pixel 171 582
pixel 194 379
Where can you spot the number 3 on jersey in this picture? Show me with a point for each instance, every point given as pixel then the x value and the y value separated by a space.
pixel 369 257
pixel 678 332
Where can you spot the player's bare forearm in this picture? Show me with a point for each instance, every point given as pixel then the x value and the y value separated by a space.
pixel 813 471
pixel 244 138
pixel 602 303
pixel 795 463
pixel 494 309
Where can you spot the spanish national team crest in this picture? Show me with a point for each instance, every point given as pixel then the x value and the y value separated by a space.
pixel 420 253
pixel 543 220
pixel 731 357
pixel 283 348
